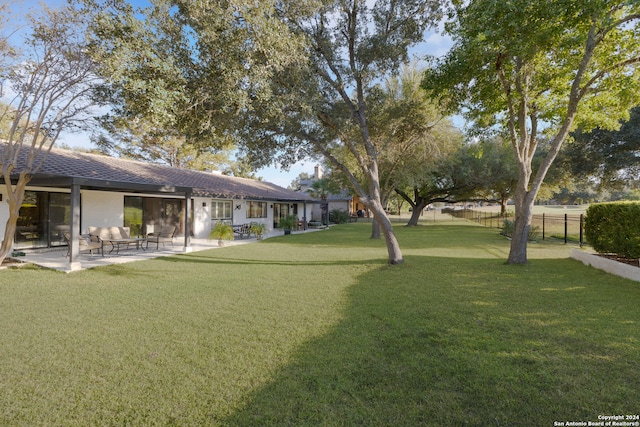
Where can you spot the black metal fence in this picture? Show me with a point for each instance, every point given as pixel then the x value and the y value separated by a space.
pixel 570 228
pixel 567 227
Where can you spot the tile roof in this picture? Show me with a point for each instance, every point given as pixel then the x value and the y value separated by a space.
pixel 114 171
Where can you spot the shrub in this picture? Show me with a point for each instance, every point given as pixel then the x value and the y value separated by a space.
pixel 289 222
pixel 339 216
pixel 258 229
pixel 614 228
pixel 507 230
pixel 221 232
pixel 534 232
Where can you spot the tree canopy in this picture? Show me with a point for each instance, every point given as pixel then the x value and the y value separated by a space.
pixel 179 72
pixel 609 158
pixel 326 106
pixel 535 67
pixel 283 80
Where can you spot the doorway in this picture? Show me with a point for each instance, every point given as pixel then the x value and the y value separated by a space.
pixel 280 210
pixel 42 220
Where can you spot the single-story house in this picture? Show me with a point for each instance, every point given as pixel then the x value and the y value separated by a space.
pixel 74 191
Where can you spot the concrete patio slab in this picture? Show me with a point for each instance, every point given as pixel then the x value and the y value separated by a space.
pixel 56 259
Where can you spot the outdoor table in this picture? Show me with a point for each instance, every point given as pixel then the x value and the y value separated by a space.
pixel 115 243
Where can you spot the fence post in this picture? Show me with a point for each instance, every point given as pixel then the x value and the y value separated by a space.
pixel 542 225
pixel 565 228
pixel 581 229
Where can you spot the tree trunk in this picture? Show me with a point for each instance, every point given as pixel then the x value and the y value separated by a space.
pixel 417 205
pixel 503 207
pixel 393 247
pixel 417 211
pixel 375 230
pixel 9 232
pixel 524 212
pixel 15 199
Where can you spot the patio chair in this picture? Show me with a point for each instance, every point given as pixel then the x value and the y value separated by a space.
pixel 165 235
pixel 85 243
pixel 242 230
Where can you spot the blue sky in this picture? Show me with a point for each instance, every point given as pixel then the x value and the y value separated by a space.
pixel 435 44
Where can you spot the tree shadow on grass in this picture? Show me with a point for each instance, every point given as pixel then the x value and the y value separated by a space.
pixel 211 259
pixel 447 342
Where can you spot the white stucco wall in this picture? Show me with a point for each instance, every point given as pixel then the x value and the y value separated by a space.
pixel 101 209
pixel 240 215
pixel 340 205
pixel 201 217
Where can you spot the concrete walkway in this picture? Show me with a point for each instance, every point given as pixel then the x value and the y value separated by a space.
pixel 56 259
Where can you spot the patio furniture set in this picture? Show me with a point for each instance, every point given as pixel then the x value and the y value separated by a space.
pixel 244 231
pixel 119 238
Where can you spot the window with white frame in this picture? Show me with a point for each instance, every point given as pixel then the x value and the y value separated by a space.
pixel 221 210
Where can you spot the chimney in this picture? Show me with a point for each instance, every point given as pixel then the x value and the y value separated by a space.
pixel 318 172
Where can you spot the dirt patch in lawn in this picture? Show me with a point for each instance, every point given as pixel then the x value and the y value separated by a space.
pixel 11 262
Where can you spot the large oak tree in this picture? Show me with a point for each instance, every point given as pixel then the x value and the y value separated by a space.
pixel 179 72
pixel 540 66
pixel 325 106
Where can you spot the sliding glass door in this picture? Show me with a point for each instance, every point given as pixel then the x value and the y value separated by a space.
pixel 43 219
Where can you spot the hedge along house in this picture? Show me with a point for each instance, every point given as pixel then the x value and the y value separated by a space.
pixel 73 191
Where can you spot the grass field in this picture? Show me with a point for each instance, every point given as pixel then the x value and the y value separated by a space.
pixel 316 329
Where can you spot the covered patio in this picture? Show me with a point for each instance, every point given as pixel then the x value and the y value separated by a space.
pixel 57 259
pixel 73 192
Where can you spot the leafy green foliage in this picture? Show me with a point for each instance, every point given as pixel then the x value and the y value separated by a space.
pixel 339 216
pixel 536 67
pixel 410 130
pixel 136 139
pixel 610 156
pixel 258 229
pixel 187 69
pixel 508 227
pixel 614 228
pixel 296 182
pixel 289 222
pixel 283 80
pixel 327 105
pixel 221 231
pixel 479 171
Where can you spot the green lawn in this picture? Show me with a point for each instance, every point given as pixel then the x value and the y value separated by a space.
pixel 316 329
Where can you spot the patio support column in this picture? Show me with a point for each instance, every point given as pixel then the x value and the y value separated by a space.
pixel 187 222
pixel 74 227
pixel 304 215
